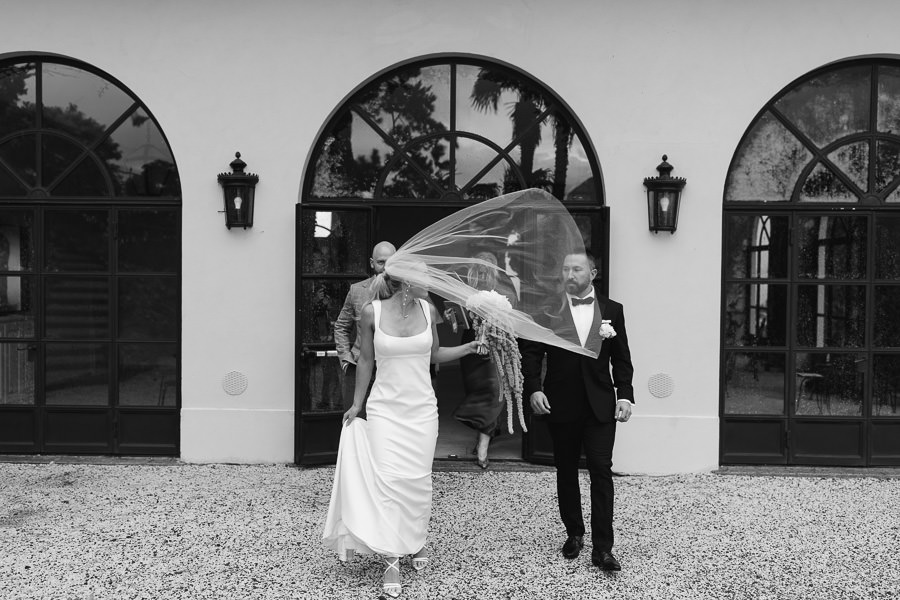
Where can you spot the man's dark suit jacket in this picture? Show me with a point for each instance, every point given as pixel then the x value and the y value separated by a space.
pixel 566 369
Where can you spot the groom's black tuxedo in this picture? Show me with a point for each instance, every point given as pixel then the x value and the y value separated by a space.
pixel 566 369
pixel 582 394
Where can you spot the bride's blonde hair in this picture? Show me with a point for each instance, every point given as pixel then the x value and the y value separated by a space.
pixel 385 287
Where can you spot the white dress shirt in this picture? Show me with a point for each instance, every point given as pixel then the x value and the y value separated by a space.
pixel 583 315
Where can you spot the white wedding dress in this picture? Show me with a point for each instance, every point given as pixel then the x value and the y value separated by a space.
pixel 381 498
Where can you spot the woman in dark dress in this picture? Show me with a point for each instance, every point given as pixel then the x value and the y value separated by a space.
pixel 483 403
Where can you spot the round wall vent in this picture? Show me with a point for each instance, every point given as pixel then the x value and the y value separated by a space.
pixel 661 385
pixel 234 383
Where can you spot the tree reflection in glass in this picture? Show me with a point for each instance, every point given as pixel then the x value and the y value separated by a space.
pixel 450 130
pixel 374 130
pixel 106 129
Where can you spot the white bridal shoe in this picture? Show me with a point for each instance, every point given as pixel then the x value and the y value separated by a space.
pixel 392 589
pixel 420 559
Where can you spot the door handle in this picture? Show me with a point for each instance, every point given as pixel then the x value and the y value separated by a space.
pixel 320 353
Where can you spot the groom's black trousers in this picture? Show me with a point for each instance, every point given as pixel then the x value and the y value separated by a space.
pixel 597 439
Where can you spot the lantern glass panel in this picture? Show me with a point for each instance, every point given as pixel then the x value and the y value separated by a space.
pixel 666 206
pixel 663 206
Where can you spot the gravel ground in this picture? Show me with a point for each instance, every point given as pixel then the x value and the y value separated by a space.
pixel 233 532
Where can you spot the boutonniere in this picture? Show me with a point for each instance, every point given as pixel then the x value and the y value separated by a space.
pixel 606 329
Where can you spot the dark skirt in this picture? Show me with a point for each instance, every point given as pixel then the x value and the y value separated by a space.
pixel 481 406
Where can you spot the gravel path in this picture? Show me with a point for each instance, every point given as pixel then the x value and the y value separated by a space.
pixel 79 532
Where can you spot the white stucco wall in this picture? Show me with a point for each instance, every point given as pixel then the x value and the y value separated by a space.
pixel 645 78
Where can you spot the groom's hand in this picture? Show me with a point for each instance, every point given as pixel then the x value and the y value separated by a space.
pixel 539 403
pixel 623 411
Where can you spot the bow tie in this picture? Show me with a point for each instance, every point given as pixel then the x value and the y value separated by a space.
pixel 577 301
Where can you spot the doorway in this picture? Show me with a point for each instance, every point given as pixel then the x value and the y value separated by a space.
pixel 415 143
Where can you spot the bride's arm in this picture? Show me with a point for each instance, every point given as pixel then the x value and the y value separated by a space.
pixel 365 362
pixel 441 354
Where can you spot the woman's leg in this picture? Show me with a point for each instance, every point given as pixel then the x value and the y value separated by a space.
pixel 481 449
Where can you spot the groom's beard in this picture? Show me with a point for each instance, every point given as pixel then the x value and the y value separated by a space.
pixel 573 288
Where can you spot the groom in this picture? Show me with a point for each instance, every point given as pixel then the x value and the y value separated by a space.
pixel 582 403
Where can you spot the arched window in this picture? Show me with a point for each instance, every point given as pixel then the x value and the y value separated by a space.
pixel 90 267
pixel 453 129
pixel 71 132
pixel 811 335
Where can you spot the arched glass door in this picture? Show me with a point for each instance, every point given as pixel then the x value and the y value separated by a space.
pixel 414 144
pixel 811 337
pixel 89 265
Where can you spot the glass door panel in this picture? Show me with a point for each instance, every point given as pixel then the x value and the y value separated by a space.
pixel 756 314
pixel 755 383
pixel 887 248
pixel 886 383
pixel 148 308
pixel 322 383
pixel 17 374
pixel 830 383
pixel 147 374
pixel 831 316
pixel 16 312
pixel 76 374
pixel 148 241
pixel 76 241
pixel 76 307
pixel 886 324
pixel 334 241
pixel 18 348
pixel 323 299
pixel 832 247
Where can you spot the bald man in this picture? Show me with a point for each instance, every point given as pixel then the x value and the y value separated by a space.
pixel 346 335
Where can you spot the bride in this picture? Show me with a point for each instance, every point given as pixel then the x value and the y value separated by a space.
pixel 381 498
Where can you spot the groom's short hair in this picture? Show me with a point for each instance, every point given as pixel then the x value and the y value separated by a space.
pixel 592 262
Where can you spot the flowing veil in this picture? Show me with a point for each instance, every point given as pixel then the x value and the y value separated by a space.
pixel 528 232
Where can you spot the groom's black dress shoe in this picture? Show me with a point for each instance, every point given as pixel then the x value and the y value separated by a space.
pixel 573 546
pixel 605 560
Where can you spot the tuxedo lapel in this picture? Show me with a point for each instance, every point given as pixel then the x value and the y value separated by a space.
pixel 567 330
pixel 594 341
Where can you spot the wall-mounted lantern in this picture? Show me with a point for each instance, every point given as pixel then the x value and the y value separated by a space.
pixel 238 189
pixel 663 195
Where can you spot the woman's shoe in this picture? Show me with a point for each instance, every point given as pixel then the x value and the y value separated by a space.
pixel 482 463
pixel 392 589
pixel 420 559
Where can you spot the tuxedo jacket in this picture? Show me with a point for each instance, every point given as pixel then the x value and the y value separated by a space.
pixel 605 379
pixel 346 335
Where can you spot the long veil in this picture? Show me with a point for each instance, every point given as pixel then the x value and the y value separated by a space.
pixel 521 239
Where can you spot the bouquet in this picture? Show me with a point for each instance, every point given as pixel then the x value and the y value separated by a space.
pixel 495 339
